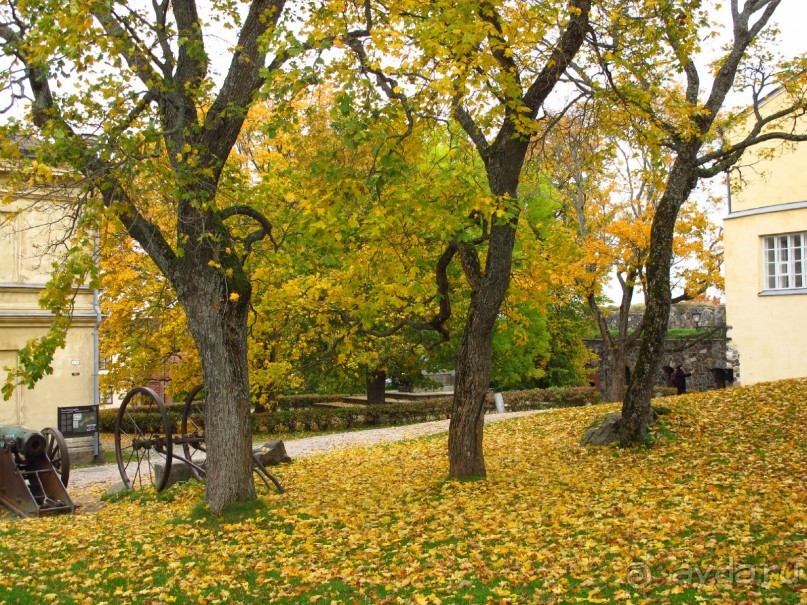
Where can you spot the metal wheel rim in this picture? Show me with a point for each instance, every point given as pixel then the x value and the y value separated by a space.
pixel 58 453
pixel 190 408
pixel 132 462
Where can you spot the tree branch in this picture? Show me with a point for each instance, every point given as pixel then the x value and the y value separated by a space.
pixel 569 43
pixel 259 217
pixel 245 76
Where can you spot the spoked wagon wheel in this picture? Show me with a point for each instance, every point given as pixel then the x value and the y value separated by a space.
pixel 56 449
pixel 143 440
pixel 193 431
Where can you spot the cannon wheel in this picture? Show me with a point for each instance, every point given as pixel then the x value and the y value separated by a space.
pixel 143 440
pixel 58 453
pixel 193 431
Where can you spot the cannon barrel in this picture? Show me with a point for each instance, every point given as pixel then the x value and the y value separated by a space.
pixel 27 442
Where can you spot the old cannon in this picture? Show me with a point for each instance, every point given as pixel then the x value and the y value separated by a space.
pixel 145 442
pixel 34 470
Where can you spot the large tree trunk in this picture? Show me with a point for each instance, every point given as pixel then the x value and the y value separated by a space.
pixel 219 328
pixel 636 412
pixel 467 419
pixel 376 386
pixel 475 360
pixel 616 363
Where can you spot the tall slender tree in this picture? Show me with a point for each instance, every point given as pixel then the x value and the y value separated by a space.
pixel 489 66
pixel 610 184
pixel 654 65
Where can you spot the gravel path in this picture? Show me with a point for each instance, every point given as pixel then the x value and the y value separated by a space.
pixel 107 474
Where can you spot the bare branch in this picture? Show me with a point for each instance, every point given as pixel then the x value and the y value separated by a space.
pixel 469 126
pixel 389 85
pixel 244 78
pixel 134 52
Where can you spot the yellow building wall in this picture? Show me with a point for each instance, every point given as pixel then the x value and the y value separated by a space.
pixel 27 226
pixel 71 383
pixel 770 174
pixel 768 197
pixel 768 330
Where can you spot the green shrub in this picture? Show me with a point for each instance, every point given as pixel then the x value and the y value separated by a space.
pixel 663 391
pixel 309 418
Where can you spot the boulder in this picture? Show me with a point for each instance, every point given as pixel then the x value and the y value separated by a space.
pixel 115 489
pixel 605 433
pixel 272 453
pixel 179 472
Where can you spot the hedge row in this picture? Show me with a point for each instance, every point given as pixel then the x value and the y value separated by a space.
pixel 146 421
pixel 297 402
pixel 318 419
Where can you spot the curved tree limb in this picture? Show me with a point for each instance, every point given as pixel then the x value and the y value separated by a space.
pixel 257 235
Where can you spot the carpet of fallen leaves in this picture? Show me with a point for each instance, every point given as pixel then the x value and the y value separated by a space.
pixel 715 510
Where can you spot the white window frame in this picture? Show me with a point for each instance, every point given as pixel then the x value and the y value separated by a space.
pixel 784 262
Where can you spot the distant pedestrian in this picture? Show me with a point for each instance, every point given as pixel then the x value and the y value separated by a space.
pixel 678 379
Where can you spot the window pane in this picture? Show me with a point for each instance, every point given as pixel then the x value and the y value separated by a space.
pixel 785 261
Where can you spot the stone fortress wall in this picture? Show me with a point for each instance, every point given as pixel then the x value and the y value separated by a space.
pixel 709 352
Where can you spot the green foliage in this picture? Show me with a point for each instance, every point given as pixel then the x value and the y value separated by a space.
pixel 521 347
pixel 568 323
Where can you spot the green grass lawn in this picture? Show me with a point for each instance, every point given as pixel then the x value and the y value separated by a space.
pixel 714 511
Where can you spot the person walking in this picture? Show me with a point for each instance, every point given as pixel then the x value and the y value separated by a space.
pixel 678 379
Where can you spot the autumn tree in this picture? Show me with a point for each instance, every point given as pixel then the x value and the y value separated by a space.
pixel 126 94
pixel 144 333
pixel 610 182
pixel 488 67
pixel 656 71
pixel 354 297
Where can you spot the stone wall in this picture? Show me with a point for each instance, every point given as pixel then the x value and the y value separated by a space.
pixel 682 315
pixel 713 360
pixel 708 352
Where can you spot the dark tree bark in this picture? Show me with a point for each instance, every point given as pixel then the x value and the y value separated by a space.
pixel 219 328
pixel 689 167
pixel 376 386
pixel 503 159
pixel 475 358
